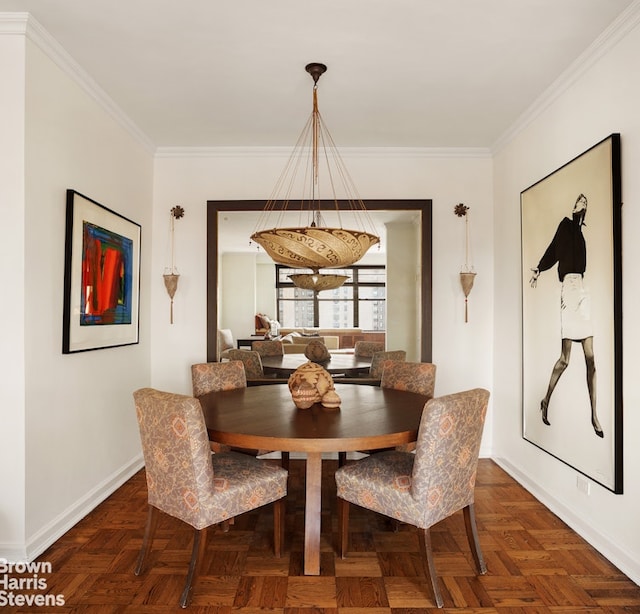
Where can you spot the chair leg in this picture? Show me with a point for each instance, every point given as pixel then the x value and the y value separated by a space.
pixel 284 460
pixel 278 530
pixel 427 553
pixel 472 537
pixel 199 547
pixel 147 540
pixel 343 526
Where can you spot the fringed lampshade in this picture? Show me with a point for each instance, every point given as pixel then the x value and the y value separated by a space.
pixel 318 281
pixel 313 244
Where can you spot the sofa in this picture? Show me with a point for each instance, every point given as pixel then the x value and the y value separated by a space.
pixel 296 343
pixel 347 337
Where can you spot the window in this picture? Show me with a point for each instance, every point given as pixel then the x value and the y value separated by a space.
pixel 359 303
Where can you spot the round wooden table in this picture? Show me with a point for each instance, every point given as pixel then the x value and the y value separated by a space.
pixel 264 417
pixel 285 365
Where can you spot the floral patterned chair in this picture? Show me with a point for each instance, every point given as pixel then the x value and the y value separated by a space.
pixel 186 481
pixel 367 348
pixel 268 348
pixel 418 377
pixel 426 487
pixel 210 376
pixel 378 361
pixel 217 376
pixel 252 363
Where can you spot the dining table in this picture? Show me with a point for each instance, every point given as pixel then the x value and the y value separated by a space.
pixel 346 364
pixel 265 417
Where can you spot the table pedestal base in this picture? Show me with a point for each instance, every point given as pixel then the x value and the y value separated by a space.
pixel 312 514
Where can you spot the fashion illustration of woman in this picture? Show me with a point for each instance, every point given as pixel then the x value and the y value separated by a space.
pixel 568 250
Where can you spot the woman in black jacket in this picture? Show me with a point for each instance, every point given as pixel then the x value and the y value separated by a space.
pixel 568 250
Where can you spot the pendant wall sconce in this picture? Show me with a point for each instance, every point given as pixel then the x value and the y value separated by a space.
pixel 171 274
pixel 467 274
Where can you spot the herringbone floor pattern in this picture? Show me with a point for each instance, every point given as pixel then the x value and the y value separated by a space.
pixel 536 564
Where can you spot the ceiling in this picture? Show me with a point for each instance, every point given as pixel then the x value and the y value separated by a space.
pixel 401 73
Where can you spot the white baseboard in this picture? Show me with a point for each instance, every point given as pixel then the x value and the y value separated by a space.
pixel 46 536
pixel 13 552
pixel 617 555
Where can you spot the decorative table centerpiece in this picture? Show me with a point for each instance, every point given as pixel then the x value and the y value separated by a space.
pixel 311 383
pixel 317 351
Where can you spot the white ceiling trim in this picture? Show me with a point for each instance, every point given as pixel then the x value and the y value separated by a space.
pixel 26 24
pixel 345 152
pixel 13 23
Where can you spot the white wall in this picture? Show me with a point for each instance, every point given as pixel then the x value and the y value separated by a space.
pixel 76 411
pixel 265 296
pixel 12 316
pixel 238 290
pixel 603 99
pixel 462 351
pixel 403 328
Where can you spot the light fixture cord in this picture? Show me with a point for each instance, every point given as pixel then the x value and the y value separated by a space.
pixel 466 242
pixel 172 231
pixel 315 162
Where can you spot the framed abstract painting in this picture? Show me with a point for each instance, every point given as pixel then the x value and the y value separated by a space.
pixel 572 314
pixel 101 277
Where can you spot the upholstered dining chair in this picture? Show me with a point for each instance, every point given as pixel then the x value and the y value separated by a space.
pixel 186 481
pixel 393 372
pixel 378 361
pixel 252 363
pixel 374 375
pixel 274 347
pixel 217 376
pixel 424 488
pixel 367 348
pixel 418 377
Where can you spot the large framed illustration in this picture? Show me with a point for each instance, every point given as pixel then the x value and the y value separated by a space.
pixel 572 314
pixel 101 277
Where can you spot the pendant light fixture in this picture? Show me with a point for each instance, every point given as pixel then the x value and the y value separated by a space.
pixel 312 174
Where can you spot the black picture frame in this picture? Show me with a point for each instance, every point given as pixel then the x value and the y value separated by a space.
pixel 101 277
pixel 572 314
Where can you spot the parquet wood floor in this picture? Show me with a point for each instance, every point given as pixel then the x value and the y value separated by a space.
pixel 536 564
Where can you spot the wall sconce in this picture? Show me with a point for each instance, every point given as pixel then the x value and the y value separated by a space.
pixel 467 275
pixel 171 275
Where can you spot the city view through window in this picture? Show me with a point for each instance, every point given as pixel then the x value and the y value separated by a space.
pixel 359 303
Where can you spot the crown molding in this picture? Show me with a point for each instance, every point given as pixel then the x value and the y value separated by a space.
pixel 345 152
pixel 25 24
pixel 13 23
pixel 615 33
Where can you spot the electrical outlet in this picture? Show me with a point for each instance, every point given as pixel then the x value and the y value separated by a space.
pixel 583 485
